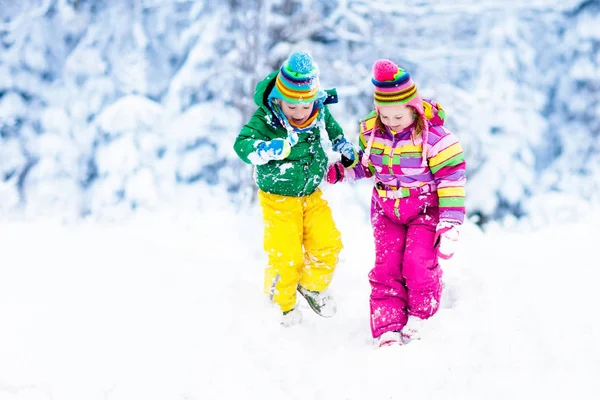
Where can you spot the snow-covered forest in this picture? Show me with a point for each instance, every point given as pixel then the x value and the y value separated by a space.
pixel 111 106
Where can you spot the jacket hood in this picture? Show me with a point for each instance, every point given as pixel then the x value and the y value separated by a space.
pixel 263 88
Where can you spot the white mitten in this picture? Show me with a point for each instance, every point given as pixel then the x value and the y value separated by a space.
pixel 446 238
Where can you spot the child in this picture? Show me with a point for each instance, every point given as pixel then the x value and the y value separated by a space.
pixel 283 139
pixel 417 204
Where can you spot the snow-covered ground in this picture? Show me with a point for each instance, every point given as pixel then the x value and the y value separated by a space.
pixel 166 307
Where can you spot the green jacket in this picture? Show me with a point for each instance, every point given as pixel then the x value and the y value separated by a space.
pixel 303 170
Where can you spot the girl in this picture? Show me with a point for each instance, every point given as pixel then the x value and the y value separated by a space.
pixel 417 204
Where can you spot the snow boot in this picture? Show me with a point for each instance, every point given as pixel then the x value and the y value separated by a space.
pixel 388 339
pixel 321 302
pixel 291 317
pixel 411 330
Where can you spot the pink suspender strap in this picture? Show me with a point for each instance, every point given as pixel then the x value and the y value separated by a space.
pixel 367 153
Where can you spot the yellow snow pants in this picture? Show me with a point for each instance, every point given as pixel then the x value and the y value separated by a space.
pixel 302 245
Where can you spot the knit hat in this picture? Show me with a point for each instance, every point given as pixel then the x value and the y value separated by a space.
pixel 394 86
pixel 297 80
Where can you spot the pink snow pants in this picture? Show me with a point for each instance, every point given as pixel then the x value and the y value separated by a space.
pixel 406 279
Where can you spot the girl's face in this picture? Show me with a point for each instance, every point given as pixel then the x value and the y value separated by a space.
pixel 297 113
pixel 397 117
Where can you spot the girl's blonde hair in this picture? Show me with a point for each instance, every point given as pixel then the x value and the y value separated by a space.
pixel 419 123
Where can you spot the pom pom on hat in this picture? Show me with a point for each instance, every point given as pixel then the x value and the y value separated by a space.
pixel 300 63
pixel 394 86
pixel 385 70
pixel 297 80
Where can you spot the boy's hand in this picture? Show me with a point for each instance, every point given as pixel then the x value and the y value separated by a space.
pixel 348 152
pixel 276 149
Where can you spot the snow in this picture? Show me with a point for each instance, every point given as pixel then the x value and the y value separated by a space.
pixel 130 114
pixel 10 155
pixel 170 306
pixel 12 107
pixel 588 27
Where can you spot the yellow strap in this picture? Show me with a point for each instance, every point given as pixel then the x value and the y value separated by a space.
pixel 397 208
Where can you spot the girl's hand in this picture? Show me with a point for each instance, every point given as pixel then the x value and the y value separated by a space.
pixel 446 238
pixel 335 173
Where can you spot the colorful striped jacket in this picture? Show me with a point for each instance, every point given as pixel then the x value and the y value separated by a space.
pixel 396 161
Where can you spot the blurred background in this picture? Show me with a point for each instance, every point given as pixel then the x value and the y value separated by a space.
pixel 108 107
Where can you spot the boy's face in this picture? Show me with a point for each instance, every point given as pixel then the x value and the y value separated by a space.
pixel 396 117
pixel 297 113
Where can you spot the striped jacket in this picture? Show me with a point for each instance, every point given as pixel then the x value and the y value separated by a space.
pixel 396 161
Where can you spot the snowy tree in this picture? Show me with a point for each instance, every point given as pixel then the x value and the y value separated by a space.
pixel 574 108
pixel 107 106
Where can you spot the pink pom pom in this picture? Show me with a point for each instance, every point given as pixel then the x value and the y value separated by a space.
pixel 384 70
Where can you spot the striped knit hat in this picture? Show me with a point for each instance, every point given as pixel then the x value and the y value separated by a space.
pixel 394 86
pixel 297 80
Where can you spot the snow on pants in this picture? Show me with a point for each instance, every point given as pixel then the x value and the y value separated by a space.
pixel 302 245
pixel 406 279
